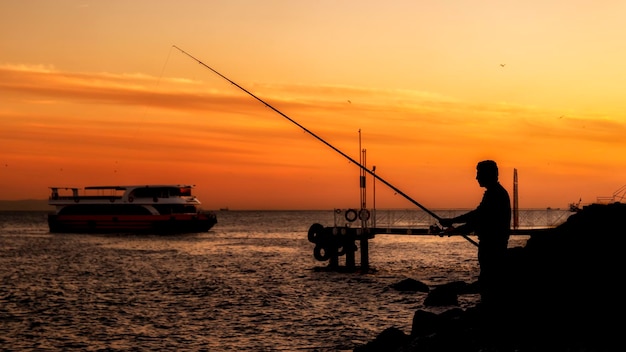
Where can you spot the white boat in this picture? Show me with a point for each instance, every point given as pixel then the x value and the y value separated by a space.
pixel 161 208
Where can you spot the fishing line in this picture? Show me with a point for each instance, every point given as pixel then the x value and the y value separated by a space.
pixel 314 135
pixel 158 83
pixel 142 116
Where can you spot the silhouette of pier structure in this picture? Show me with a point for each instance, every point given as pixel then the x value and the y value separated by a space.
pixel 353 228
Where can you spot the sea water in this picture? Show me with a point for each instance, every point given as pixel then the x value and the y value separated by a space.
pixel 250 283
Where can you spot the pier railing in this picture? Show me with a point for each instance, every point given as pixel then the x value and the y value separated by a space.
pixel 417 219
pixel 353 226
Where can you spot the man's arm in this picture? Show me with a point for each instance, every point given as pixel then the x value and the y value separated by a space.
pixel 461 219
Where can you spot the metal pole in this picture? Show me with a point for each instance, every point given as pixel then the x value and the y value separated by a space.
pixel 374 198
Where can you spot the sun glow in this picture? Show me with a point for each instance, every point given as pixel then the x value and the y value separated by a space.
pixel 437 89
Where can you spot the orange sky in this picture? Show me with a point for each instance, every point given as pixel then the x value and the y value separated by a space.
pixel 92 93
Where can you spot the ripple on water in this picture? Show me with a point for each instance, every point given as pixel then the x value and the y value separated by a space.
pixel 219 291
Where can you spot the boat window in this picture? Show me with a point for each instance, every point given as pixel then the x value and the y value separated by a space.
pixel 177 209
pixel 104 209
pixel 146 192
pixel 160 192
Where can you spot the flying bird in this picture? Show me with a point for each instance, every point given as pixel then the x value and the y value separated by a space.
pixel 502 65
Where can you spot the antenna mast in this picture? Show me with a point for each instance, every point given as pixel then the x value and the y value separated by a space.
pixel 515 201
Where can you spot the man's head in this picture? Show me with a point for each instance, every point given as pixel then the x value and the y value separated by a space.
pixel 487 173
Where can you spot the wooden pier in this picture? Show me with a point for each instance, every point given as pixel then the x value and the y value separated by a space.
pixel 353 229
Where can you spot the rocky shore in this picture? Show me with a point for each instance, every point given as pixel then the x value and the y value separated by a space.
pixel 564 294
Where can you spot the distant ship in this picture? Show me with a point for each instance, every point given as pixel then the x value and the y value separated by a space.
pixel 162 208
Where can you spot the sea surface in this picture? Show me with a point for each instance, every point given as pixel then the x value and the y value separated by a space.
pixel 249 284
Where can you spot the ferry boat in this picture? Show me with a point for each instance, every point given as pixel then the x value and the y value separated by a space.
pixel 161 208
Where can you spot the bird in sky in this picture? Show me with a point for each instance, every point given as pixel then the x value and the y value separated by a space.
pixel 502 65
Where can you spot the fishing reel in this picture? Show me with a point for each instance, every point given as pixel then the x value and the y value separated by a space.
pixel 440 231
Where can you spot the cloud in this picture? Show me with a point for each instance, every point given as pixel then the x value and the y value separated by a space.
pixel 71 119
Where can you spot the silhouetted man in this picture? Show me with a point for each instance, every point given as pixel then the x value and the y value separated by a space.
pixel 491 222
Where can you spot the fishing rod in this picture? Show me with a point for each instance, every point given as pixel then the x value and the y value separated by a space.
pixel 398 191
pixel 316 137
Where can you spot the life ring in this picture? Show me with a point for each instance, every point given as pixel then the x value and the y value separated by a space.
pixel 321 253
pixel 337 211
pixel 351 215
pixel 364 214
pixel 316 233
pixel 131 199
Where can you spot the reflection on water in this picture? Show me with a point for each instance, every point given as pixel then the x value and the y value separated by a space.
pixel 248 284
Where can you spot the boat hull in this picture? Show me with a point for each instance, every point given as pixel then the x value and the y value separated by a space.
pixel 168 224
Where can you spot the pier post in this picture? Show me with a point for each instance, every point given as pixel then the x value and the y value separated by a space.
pixel 333 262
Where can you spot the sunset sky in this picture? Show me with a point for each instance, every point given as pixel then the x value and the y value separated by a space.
pixel 93 93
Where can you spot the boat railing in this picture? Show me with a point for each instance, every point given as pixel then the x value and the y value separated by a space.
pixel 83 197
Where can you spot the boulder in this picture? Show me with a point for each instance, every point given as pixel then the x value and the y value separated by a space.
pixel 442 296
pixel 389 340
pixel 411 285
pixel 563 294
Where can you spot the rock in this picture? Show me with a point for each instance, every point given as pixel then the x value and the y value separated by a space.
pixel 389 340
pixel 563 294
pixel 424 323
pixel 410 285
pixel 444 295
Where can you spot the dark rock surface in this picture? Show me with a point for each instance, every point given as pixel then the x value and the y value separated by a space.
pixel 564 294
pixel 410 285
